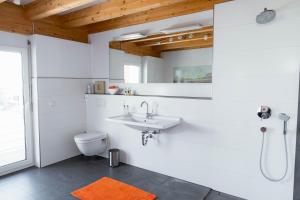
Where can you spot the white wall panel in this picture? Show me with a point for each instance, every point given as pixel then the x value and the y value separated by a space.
pixel 61 69
pixel 13 39
pixel 61 117
pixel 61 58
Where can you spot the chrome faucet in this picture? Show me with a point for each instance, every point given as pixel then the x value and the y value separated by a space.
pixel 148 115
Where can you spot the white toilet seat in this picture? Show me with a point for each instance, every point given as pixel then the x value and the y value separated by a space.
pixel 88 137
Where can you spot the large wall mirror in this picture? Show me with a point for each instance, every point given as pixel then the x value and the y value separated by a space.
pixel 176 56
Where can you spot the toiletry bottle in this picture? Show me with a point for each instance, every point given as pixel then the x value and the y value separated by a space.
pixel 132 92
pixel 89 89
pixel 93 88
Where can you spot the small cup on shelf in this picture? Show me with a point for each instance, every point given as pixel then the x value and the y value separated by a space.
pixel 113 89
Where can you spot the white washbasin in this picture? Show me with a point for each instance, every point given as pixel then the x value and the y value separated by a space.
pixel 140 121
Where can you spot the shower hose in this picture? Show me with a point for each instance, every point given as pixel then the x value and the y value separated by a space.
pixel 286 161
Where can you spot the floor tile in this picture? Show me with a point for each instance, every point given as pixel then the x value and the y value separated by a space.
pixel 56 182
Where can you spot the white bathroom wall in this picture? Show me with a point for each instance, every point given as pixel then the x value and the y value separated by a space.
pixel 154 70
pixel 60 76
pixel 190 57
pixel 13 39
pixel 186 58
pixel 218 143
pixel 61 58
pixel 117 60
pixel 255 65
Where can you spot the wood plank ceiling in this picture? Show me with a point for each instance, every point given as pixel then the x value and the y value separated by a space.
pixel 75 19
pixel 159 43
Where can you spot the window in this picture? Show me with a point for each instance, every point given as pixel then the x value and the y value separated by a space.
pixel 15 123
pixel 132 74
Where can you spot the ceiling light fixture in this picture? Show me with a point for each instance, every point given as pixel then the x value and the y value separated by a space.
pixel 17 2
pixel 176 30
pixel 132 36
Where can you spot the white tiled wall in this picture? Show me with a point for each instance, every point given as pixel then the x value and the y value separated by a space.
pixel 60 72
pixel 256 65
pixel 13 39
pixel 61 117
pixel 218 144
pixel 60 58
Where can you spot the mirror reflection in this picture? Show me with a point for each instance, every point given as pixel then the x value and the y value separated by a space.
pixel 171 56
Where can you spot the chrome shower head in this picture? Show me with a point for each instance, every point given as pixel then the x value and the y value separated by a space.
pixel 284 117
pixel 266 16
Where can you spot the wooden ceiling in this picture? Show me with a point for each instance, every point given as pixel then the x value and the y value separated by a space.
pixel 75 19
pixel 156 44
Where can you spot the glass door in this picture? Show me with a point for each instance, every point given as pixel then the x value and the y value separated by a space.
pixel 15 120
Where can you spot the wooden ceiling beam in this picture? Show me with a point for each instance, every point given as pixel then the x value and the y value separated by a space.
pixel 178 9
pixel 45 8
pixel 52 27
pixel 185 45
pixel 154 45
pixel 131 48
pixel 192 35
pixel 113 9
pixel 12 19
pixel 174 41
pixel 205 30
pixel 141 51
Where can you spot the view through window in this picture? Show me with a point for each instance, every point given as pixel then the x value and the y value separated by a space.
pixel 12 128
pixel 132 74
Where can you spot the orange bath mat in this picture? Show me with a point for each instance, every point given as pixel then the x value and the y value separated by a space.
pixel 110 189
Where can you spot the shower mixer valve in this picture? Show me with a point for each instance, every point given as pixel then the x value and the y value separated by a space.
pixel 264 112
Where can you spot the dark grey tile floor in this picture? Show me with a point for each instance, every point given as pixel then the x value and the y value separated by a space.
pixel 55 182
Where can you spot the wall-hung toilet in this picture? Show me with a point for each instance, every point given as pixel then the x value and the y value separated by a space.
pixel 92 143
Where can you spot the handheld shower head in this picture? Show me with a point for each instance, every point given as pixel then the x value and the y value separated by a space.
pixel 266 16
pixel 284 117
